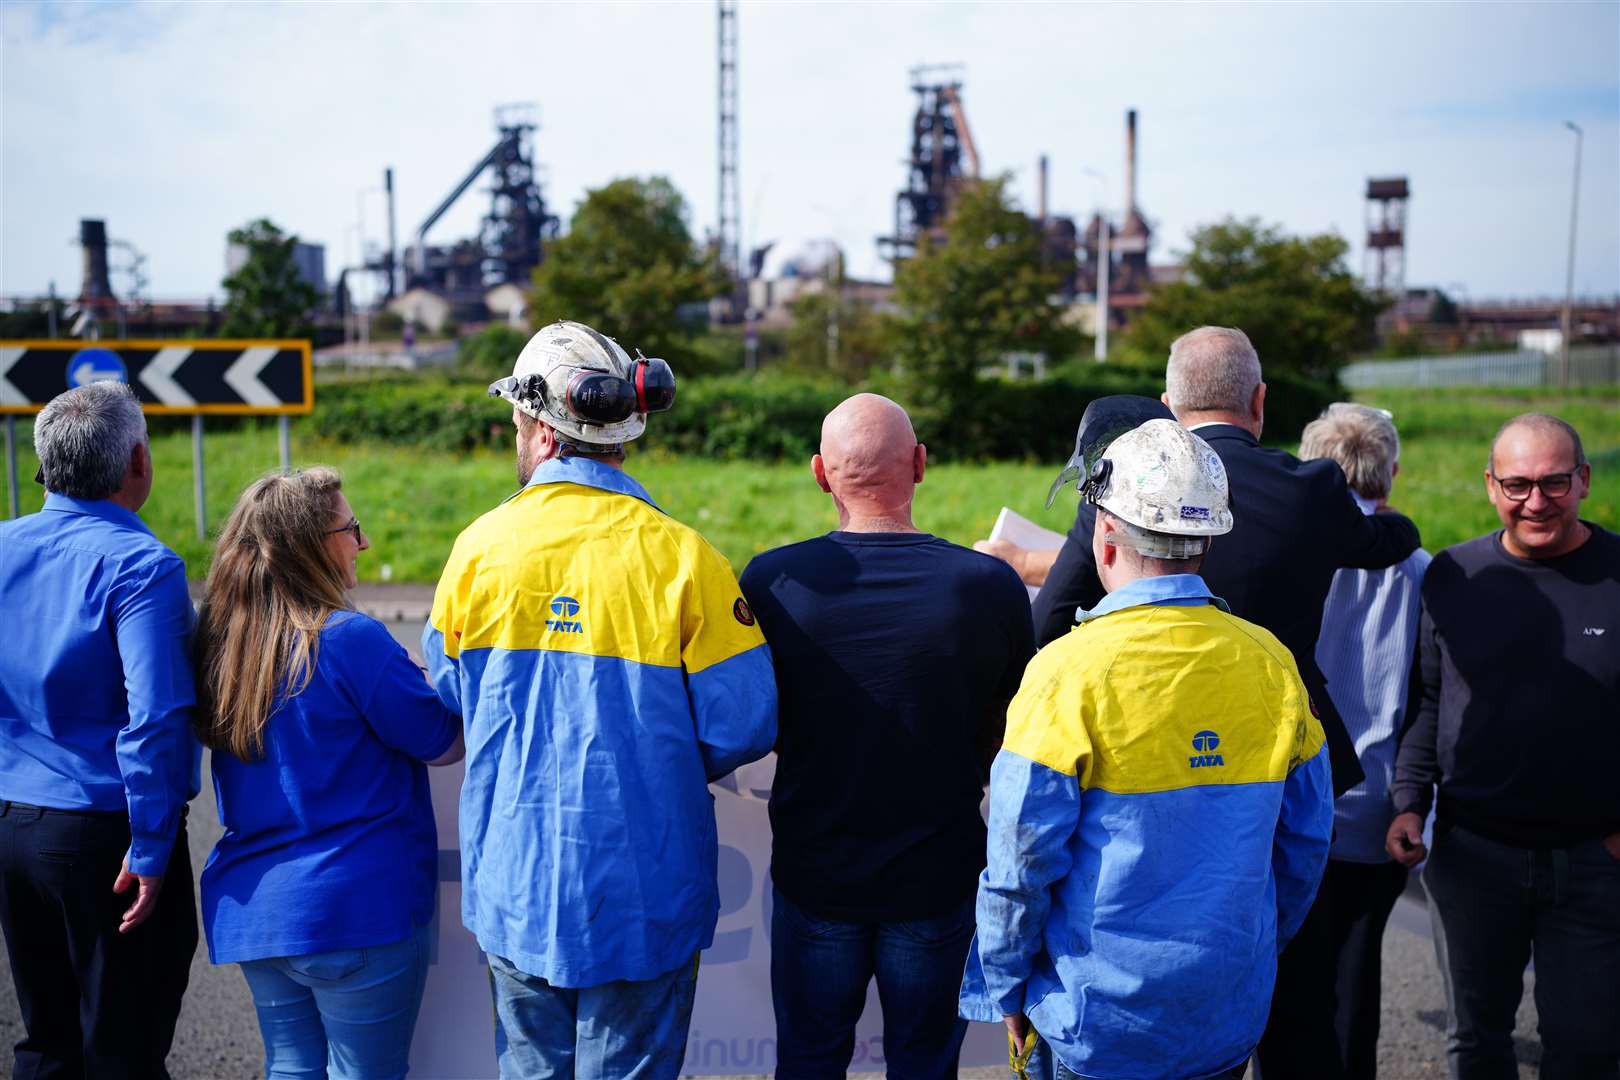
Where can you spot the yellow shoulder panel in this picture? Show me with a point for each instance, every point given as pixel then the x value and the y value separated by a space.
pixel 569 568
pixel 1161 698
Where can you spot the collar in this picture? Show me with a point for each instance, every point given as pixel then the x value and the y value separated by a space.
pixel 105 509
pixel 1171 590
pixel 1207 431
pixel 573 469
pixel 1368 506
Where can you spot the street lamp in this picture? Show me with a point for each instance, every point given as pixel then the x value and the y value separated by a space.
pixel 1099 351
pixel 1569 276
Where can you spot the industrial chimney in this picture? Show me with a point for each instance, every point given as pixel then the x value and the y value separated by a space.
pixel 1130 163
pixel 96 286
pixel 1041 204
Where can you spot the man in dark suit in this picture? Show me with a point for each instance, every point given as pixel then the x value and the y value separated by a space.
pixel 1296 525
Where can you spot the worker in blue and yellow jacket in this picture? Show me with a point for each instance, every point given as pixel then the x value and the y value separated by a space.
pixel 606 668
pixel 1161 806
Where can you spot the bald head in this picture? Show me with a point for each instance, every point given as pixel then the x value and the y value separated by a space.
pixel 1542 427
pixel 870 461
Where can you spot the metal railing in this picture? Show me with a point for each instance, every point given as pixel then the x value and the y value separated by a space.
pixel 1589 365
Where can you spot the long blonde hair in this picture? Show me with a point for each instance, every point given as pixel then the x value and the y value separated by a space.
pixel 271 588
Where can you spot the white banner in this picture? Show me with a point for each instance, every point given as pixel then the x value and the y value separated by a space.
pixel 733 1028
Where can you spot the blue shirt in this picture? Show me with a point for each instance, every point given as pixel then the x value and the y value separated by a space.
pixel 329 838
pixel 96 689
pixel 607 668
pixel 1369 636
pixel 895 655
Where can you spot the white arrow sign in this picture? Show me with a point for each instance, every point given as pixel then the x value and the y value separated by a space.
pixel 158 375
pixel 243 376
pixel 9 394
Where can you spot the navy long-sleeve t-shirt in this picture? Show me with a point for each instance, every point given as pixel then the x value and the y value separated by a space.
pixel 1520 711
pixel 895 655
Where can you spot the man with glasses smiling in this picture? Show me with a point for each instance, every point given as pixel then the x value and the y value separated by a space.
pixel 1519 644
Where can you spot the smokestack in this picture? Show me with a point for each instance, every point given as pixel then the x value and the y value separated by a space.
pixel 393 247
pixel 1042 196
pixel 93 240
pixel 1130 163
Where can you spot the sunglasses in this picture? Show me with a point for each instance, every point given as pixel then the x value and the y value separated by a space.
pixel 352 527
pixel 1553 485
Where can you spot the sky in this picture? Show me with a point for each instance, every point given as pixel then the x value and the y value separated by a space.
pixel 178 122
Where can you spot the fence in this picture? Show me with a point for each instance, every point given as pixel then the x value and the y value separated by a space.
pixel 1589 365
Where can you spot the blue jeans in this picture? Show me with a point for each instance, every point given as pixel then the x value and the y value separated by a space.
pixel 346 1014
pixel 820 969
pixel 1044 1065
pixel 615 1031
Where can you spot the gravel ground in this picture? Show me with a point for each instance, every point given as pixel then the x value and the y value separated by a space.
pixel 218 1039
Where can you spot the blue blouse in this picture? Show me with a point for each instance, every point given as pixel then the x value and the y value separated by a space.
pixel 329 837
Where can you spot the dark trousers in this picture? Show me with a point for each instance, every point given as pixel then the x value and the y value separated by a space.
pixel 820 969
pixel 1360 898
pixel 1494 907
pixel 95 1003
pixel 1300 1042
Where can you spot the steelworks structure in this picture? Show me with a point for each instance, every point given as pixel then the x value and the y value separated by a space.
pixel 728 238
pixel 511 240
pixel 942 155
pixel 1386 235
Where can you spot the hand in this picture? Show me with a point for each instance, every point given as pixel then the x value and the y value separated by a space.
pixel 1017 1027
pixel 146 895
pixel 1032 566
pixel 1611 844
pixel 1404 841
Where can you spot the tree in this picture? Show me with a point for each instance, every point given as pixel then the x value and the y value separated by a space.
pixel 626 266
pixel 833 332
pixel 970 297
pixel 267 296
pixel 1293 296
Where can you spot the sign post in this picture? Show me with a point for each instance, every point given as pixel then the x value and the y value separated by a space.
pixel 11 466
pixel 186 378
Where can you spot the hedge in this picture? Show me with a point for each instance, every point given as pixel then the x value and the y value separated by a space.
pixel 772 417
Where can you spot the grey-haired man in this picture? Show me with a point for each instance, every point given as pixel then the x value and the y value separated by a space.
pixel 97 761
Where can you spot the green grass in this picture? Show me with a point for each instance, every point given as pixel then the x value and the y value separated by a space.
pixel 413 504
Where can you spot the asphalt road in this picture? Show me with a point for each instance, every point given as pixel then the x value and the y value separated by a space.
pixel 218 1038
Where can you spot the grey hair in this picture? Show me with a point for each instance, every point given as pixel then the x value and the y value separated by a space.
pixel 1544 423
pixel 1211 369
pixel 84 438
pixel 1362 440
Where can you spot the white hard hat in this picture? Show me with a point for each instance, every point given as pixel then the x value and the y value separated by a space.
pixel 1163 479
pixel 583 384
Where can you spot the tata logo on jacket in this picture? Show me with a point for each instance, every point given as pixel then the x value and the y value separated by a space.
pixel 564 608
pixel 1205 743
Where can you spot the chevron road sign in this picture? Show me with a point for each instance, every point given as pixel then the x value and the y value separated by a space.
pixel 186 377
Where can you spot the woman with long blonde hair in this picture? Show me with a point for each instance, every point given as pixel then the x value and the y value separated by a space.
pixel 323 884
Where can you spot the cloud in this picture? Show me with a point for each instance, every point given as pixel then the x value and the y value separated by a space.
pixel 179 122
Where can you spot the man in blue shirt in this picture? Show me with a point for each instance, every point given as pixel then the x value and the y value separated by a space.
pixel 97 761
pixel 1160 807
pixel 606 670
pixel 896 653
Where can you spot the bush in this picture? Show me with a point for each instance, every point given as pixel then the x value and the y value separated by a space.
pixel 434 414
pixel 489 354
pixel 773 417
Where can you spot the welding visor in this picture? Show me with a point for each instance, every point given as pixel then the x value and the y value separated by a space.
pixel 1105 419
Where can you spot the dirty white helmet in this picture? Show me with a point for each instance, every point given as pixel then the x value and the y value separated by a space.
pixel 1169 488
pixel 586 386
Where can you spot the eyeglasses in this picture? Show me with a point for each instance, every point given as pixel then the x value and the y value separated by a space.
pixel 1553 485
pixel 352 527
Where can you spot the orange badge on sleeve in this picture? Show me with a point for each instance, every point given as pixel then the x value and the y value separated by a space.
pixel 740 610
